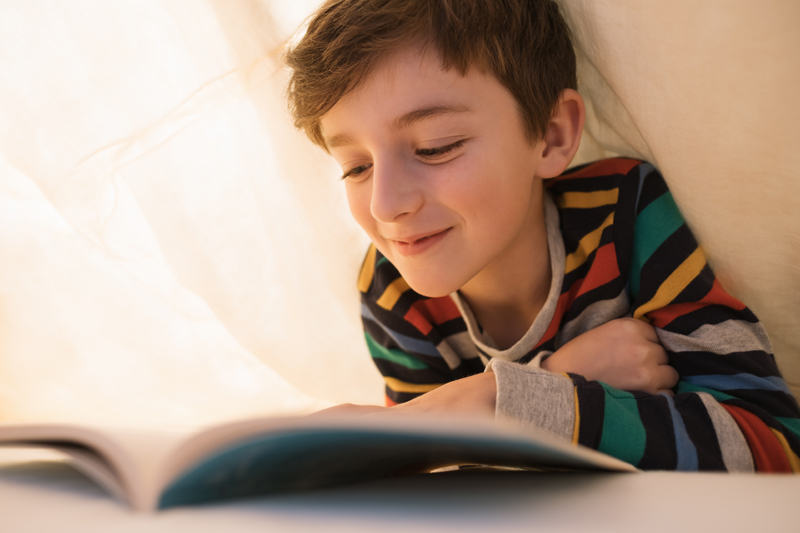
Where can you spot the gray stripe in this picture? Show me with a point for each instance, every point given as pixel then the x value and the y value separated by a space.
pixel 594 315
pixel 723 338
pixel 456 347
pixel 532 397
pixel 735 451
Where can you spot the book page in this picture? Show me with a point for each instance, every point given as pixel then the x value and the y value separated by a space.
pixel 267 456
pixel 124 461
pixel 83 459
pixel 158 468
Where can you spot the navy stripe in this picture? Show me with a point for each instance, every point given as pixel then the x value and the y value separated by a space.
pixel 406 343
pixel 687 453
pixel 644 170
pixel 739 382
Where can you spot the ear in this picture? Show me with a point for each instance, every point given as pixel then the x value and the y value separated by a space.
pixel 563 135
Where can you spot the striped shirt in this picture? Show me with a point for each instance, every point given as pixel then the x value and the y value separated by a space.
pixel 619 248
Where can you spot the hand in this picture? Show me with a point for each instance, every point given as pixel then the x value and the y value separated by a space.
pixel 472 396
pixel 346 409
pixel 624 353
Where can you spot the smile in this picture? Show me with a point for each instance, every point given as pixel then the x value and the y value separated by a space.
pixel 417 244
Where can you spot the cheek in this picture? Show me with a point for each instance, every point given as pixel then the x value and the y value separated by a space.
pixel 358 199
pixel 487 188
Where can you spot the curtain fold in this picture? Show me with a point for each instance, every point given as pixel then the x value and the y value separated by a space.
pixel 171 248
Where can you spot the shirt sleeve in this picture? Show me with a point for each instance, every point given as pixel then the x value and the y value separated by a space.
pixel 732 410
pixel 417 343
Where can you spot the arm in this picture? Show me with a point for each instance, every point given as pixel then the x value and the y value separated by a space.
pixel 630 355
pixel 625 353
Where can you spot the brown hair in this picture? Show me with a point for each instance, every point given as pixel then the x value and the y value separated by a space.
pixel 525 44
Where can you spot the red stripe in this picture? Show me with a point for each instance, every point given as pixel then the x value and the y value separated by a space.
pixel 438 310
pixel 419 321
pixel 767 451
pixel 661 317
pixel 564 303
pixel 432 311
pixel 390 402
pixel 605 167
pixel 716 296
pixel 603 270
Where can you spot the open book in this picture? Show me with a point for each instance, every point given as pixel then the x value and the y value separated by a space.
pixel 158 469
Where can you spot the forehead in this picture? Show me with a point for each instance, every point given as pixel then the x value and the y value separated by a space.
pixel 402 83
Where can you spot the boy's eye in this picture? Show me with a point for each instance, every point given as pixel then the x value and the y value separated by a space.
pixel 355 171
pixel 427 153
pixel 434 153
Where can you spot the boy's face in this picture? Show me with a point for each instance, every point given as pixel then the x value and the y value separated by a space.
pixel 439 172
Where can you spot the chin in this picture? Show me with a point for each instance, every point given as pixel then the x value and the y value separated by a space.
pixel 431 288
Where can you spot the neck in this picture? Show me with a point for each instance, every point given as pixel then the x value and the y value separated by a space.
pixel 507 295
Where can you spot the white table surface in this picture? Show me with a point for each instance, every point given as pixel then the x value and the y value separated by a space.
pixel 47 496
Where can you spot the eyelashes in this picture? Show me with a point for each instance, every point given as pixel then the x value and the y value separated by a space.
pixel 440 150
pixel 431 154
pixel 355 171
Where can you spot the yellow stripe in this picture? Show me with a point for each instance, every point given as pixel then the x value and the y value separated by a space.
pixel 576 431
pixel 794 461
pixel 587 245
pixel 393 293
pixel 401 386
pixel 367 271
pixel 587 200
pixel 675 283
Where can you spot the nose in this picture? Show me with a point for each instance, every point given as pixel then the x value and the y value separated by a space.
pixel 395 191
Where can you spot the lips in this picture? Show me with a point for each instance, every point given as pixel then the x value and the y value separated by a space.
pixel 419 237
pixel 420 242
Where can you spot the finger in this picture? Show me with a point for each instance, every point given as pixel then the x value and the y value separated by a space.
pixel 659 354
pixel 667 377
pixel 347 409
pixel 650 334
pixel 647 331
pixel 668 392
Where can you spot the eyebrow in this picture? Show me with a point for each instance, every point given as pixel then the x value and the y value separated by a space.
pixel 339 140
pixel 426 113
pixel 404 121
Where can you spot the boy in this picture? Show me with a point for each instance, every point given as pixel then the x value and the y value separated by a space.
pixel 454 122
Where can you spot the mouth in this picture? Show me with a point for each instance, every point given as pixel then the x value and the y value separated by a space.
pixel 415 244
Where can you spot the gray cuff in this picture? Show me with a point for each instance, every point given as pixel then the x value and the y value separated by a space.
pixel 531 397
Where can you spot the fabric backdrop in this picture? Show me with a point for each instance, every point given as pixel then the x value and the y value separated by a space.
pixel 172 250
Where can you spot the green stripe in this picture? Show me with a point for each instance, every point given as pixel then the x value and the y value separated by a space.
pixel 623 435
pixel 653 226
pixel 792 423
pixel 395 356
pixel 717 395
pixel 381 261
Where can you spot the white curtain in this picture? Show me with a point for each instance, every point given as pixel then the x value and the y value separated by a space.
pixel 172 250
